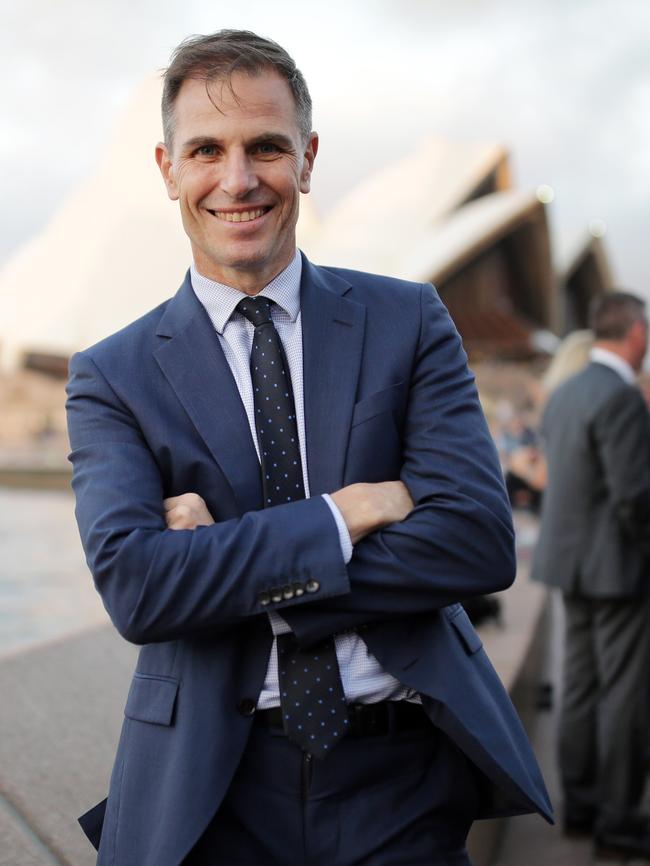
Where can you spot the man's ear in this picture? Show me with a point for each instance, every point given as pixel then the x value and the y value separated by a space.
pixel 308 162
pixel 166 167
pixel 637 337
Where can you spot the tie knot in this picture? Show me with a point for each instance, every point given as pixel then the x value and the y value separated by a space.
pixel 256 310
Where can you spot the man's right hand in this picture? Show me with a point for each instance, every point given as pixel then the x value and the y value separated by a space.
pixel 368 507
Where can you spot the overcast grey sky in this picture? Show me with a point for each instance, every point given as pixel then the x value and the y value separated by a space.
pixel 565 84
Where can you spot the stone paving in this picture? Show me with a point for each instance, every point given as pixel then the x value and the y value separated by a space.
pixel 60 719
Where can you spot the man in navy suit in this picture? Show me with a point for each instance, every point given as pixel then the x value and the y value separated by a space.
pixel 285 486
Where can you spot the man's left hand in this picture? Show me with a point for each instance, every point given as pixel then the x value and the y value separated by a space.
pixel 186 511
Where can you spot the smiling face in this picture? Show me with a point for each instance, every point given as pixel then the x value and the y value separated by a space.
pixel 237 166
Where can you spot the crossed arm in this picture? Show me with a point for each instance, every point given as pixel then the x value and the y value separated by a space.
pixel 440 535
pixel 364 508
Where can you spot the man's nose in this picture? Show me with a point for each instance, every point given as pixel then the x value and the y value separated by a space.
pixel 238 177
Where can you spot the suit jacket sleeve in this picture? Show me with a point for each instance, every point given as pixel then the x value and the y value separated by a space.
pixel 160 584
pixel 458 542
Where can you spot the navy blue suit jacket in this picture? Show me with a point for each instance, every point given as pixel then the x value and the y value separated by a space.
pixel 154 412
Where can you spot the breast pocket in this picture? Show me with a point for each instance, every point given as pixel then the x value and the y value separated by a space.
pixel 391 399
pixel 375 446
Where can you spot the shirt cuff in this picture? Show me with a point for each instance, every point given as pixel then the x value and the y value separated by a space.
pixel 344 536
pixel 278 624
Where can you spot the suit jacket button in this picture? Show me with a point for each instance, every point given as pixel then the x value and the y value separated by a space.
pixel 287 592
pixel 312 585
pixel 298 589
pixel 276 595
pixel 246 706
pixel 264 598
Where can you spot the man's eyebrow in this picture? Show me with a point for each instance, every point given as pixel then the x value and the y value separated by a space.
pixel 278 138
pixel 274 137
pixel 199 141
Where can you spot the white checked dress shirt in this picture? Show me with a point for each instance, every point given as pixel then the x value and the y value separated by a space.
pixel 363 679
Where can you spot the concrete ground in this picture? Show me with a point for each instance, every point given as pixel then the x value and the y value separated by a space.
pixel 60 717
pixel 64 674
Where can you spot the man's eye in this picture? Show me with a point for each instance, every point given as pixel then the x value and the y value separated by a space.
pixel 267 148
pixel 206 150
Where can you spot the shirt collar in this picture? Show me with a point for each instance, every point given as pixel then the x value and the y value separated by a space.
pixel 614 362
pixel 220 300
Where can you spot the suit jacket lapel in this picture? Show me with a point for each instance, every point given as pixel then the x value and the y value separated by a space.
pixel 333 330
pixel 192 360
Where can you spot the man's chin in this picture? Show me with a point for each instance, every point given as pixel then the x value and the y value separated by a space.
pixel 243 268
pixel 259 256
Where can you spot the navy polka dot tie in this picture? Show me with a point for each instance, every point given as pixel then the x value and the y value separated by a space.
pixel 311 694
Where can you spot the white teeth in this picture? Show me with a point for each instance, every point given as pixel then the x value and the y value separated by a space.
pixel 239 216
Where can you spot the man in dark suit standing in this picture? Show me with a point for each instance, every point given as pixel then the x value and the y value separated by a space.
pixel 593 545
pixel 285 486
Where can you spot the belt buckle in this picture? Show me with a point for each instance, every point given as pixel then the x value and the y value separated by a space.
pixel 365 719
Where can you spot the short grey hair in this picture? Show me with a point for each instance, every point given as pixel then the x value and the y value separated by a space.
pixel 613 314
pixel 220 55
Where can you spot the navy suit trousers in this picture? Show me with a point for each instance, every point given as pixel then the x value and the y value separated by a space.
pixel 401 799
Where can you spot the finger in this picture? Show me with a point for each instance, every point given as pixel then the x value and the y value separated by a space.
pixel 180 522
pixel 189 499
pixel 176 513
pixel 170 519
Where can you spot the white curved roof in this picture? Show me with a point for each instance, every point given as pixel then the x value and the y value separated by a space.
pixel 116 247
pixel 377 224
pixel 465 233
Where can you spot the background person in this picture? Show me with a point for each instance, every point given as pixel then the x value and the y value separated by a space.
pixel 593 545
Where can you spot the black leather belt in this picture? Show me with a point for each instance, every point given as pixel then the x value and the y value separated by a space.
pixel 367 720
